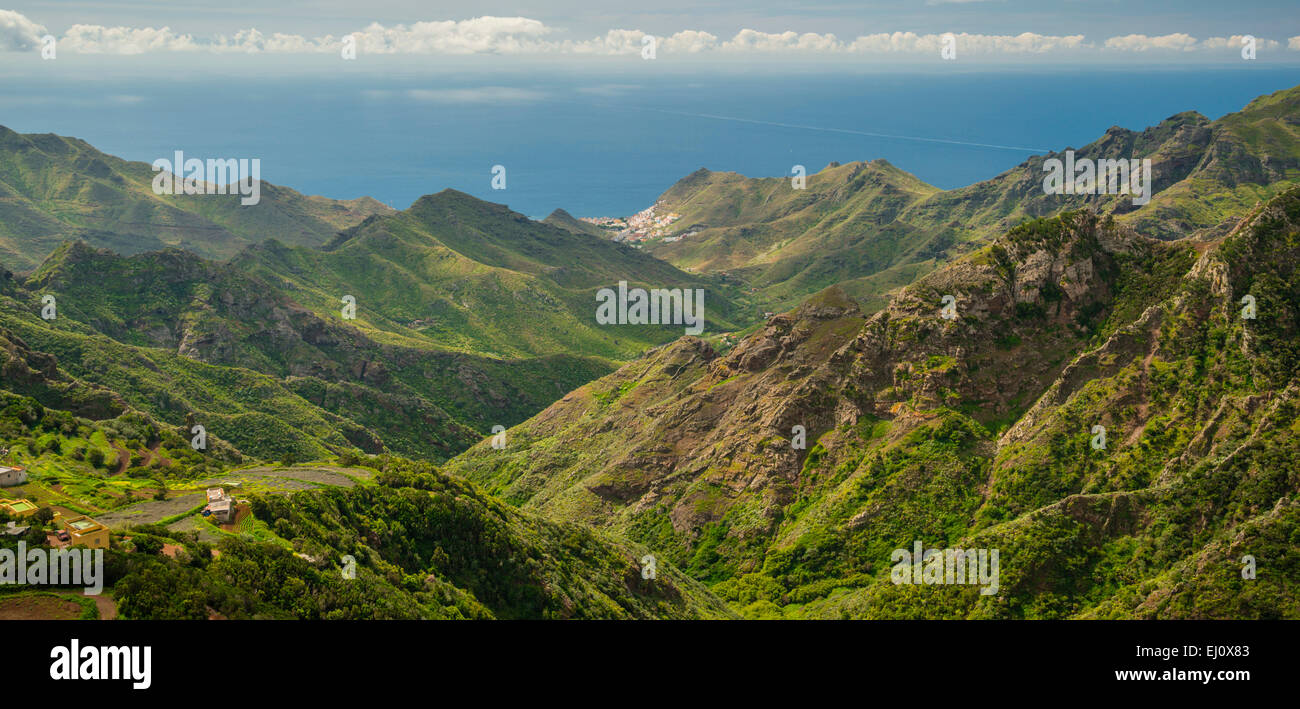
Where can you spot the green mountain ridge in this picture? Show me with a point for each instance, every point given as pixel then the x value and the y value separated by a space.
pixel 54 188
pixel 973 432
pixel 173 334
pixel 468 316
pixel 974 428
pixel 470 275
pixel 870 227
pixel 564 220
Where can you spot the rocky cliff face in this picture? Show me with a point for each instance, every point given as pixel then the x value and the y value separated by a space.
pixel 716 427
pixel 972 428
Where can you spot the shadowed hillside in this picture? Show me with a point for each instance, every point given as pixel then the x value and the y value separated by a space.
pixel 966 432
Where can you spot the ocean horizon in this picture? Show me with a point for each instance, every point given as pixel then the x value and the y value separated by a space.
pixel 609 144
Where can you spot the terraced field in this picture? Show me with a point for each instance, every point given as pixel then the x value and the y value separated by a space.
pixel 260 479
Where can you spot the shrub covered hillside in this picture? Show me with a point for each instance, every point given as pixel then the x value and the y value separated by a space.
pixel 870 227
pixel 419 545
pixel 174 335
pixel 978 431
pixel 57 188
pixel 422 545
pixel 325 327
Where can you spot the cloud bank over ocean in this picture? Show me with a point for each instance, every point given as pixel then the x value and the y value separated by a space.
pixel 525 36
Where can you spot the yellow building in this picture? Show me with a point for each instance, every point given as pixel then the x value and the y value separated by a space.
pixel 83 531
pixel 18 508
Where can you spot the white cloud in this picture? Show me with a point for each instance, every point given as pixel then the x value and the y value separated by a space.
pixel 1185 43
pixel 1142 43
pixel 753 40
pixel 96 39
pixel 481 35
pixel 253 41
pixel 690 42
pixel 613 42
pixel 1234 43
pixel 1023 43
pixel 17 33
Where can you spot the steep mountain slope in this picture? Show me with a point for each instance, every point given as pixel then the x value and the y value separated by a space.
pixel 462 273
pixel 468 316
pixel 788 242
pixel 174 335
pixel 967 432
pixel 448 533
pixel 871 227
pixel 424 545
pixel 26 372
pixel 54 188
pixel 564 220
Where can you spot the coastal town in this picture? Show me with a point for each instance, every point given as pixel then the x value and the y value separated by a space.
pixel 648 224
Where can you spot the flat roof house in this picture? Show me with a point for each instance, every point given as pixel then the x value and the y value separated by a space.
pixel 84 531
pixel 12 476
pixel 18 508
pixel 221 505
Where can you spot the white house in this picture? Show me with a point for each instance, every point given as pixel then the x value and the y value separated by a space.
pixel 12 476
pixel 221 505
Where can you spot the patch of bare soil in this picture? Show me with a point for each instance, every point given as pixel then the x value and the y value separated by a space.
pixel 106 605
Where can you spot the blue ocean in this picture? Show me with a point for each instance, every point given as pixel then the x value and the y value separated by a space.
pixel 608 145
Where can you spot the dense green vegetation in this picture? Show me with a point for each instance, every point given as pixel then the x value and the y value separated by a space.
pixel 975 433
pixel 416 544
pixel 258 351
pixel 870 227
pixel 57 188
pixel 773 476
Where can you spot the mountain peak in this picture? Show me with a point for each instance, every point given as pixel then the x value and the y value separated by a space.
pixel 562 219
pixel 454 200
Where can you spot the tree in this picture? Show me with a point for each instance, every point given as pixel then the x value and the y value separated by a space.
pixel 147 544
pixel 349 459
